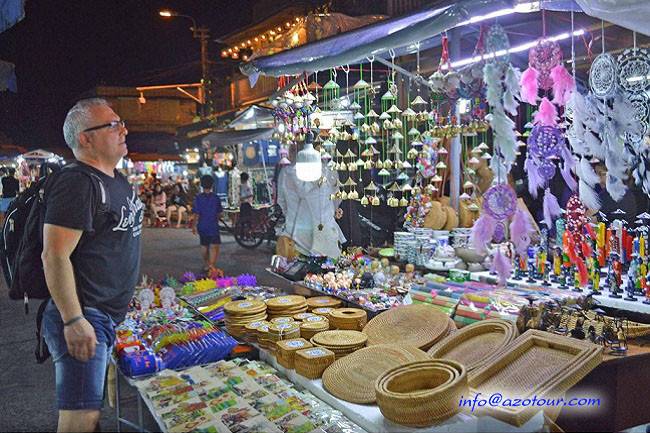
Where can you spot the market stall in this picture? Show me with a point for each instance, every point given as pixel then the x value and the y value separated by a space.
pixel 504 271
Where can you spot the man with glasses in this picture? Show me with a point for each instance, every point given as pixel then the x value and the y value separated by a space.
pixel 91 256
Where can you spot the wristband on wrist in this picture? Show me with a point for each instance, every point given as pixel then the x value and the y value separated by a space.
pixel 72 321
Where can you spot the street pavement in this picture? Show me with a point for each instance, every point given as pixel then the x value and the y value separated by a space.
pixel 27 389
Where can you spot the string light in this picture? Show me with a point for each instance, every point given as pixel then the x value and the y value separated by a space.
pixel 263 37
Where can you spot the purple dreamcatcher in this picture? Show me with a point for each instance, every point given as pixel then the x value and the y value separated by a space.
pixel 499 205
pixel 547 146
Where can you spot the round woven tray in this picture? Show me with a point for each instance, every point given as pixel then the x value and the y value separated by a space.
pixel 245 307
pixel 322 311
pixel 340 339
pixel 477 344
pixel 285 302
pixel 300 317
pixel 417 325
pixel 283 319
pixel 323 301
pixel 421 393
pixel 352 378
pixel 348 318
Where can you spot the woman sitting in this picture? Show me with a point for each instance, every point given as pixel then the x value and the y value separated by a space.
pixel 158 200
pixel 178 204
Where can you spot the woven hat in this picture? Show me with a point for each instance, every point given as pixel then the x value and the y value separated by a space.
pixel 421 393
pixel 352 378
pixel 477 344
pixel 418 325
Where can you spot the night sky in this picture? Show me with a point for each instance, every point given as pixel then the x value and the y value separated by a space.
pixel 64 48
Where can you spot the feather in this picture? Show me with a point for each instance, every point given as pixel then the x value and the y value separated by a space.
pixel 551 208
pixel 590 230
pixel 547 113
pixel 535 180
pixel 588 196
pixel 586 249
pixel 587 174
pixel 568 178
pixel 615 164
pixel 511 81
pixel 509 103
pixel 583 273
pixel 624 114
pixel 483 232
pixel 563 84
pixel 502 266
pixel 595 146
pixel 529 86
pixel 492 79
pixel 520 230
pixel 615 187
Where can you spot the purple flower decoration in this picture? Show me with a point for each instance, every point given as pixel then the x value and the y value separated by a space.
pixel 246 280
pixel 187 277
pixel 225 282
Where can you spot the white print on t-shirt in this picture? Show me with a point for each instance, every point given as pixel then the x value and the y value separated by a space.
pixel 129 216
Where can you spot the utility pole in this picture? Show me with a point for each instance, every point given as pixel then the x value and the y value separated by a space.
pixel 203 35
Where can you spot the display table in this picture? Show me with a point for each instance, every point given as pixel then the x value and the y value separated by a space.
pixel 604 299
pixel 370 418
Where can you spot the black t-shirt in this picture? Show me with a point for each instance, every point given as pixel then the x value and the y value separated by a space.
pixel 10 187
pixel 106 264
pixel 179 199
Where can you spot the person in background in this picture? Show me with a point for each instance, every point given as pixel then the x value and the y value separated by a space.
pixel 178 204
pixel 245 190
pixel 10 189
pixel 158 200
pixel 207 212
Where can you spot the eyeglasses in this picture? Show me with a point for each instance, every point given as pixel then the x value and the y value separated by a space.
pixel 114 126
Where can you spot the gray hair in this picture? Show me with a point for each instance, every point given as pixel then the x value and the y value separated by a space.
pixel 77 120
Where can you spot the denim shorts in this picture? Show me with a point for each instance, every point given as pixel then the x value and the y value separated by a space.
pixel 207 240
pixel 79 385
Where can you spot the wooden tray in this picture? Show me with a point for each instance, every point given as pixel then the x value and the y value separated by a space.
pixel 476 345
pixel 536 364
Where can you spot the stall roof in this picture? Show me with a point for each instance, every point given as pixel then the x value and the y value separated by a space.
pixel 253 117
pixel 356 45
pixel 221 139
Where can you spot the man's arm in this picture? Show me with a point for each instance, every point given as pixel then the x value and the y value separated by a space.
pixel 58 245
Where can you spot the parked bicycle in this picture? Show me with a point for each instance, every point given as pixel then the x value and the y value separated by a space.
pixel 256 225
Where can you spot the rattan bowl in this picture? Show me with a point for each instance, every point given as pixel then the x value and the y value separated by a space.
pixel 421 393
pixel 348 318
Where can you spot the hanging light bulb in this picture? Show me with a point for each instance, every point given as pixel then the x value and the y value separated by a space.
pixel 308 162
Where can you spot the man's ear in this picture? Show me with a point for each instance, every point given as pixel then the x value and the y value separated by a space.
pixel 83 139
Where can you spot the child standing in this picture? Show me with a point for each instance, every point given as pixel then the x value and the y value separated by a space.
pixel 207 212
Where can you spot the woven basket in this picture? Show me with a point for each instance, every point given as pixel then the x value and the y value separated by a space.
pixel 251 330
pixel 278 320
pixel 263 336
pixel 309 329
pixel 537 363
pixel 287 349
pixel 477 344
pixel 348 318
pixel 322 311
pixel 300 317
pixel 352 378
pixel 342 343
pixel 323 302
pixel 417 325
pixel 312 362
pixel 421 393
pixel 282 331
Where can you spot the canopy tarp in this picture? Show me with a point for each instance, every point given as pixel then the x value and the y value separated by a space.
pixel 253 117
pixel 220 140
pixel 135 156
pixel 11 11
pixel 39 154
pixel 356 45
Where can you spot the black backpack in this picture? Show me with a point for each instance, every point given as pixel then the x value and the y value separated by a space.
pixel 21 242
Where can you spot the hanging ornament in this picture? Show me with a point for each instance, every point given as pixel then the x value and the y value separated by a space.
pixel 499 204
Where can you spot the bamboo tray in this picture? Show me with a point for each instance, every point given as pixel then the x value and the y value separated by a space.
pixel 476 345
pixel 536 364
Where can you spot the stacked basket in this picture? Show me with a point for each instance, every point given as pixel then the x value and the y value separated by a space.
pixel 287 350
pixel 251 330
pixel 282 331
pixel 323 311
pixel 263 336
pixel 342 343
pixel 286 306
pixel 241 313
pixel 348 318
pixel 300 317
pixel 312 362
pixel 323 302
pixel 282 319
pixel 312 326
pixel 421 393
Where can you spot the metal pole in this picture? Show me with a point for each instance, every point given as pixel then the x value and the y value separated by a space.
pixel 454 190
